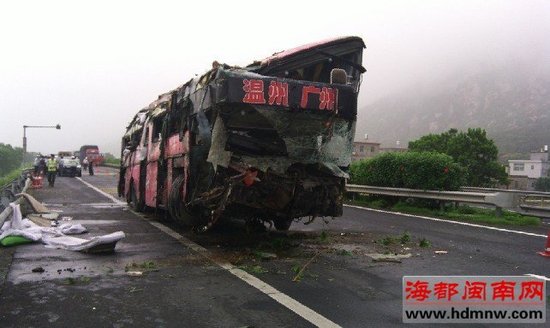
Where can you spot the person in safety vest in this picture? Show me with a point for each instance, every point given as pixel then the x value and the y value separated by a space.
pixel 52 170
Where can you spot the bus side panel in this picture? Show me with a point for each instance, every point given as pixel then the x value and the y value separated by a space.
pixel 153 154
pixel 175 147
pixel 176 152
pixel 186 180
pixel 135 176
pixel 127 179
pixel 168 182
pixel 151 184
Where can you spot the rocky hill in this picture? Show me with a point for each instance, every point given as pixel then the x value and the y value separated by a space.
pixel 512 105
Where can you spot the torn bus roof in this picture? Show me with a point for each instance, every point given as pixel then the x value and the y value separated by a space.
pixel 313 51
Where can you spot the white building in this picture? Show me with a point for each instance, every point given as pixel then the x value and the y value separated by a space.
pixel 364 149
pixel 524 172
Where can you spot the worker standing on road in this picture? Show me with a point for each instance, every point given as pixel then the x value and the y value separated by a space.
pixel 52 170
pixel 91 167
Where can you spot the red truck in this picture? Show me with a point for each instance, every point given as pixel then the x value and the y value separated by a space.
pixel 92 153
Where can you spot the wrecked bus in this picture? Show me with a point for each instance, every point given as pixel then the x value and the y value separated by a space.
pixel 270 142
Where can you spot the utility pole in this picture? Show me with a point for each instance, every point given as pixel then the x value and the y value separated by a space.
pixel 58 127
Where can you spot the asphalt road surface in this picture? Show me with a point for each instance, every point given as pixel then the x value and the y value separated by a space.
pixel 162 275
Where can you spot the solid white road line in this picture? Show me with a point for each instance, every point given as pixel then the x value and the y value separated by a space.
pixel 450 222
pixel 111 197
pixel 283 299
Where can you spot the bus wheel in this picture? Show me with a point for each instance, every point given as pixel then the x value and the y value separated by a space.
pixel 176 207
pixel 283 224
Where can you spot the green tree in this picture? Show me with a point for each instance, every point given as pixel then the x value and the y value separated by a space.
pixel 543 184
pixel 472 150
pixel 10 158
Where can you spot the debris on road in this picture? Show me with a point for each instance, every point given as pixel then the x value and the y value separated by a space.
pixel 377 257
pixel 440 252
pixel 36 206
pixel 72 229
pixel 298 276
pixel 99 244
pixel 265 256
pixel 14 241
pixel 38 270
pixel 19 230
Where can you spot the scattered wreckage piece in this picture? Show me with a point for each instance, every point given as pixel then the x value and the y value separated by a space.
pixel 36 206
pixel 271 141
pixel 18 231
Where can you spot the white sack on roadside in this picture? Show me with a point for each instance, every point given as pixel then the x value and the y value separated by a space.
pixel 72 229
pixel 54 237
pixel 80 244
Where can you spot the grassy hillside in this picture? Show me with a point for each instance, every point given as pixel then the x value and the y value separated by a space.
pixel 514 108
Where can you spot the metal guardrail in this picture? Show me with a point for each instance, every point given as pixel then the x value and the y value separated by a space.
pixel 9 190
pixel 516 191
pixel 535 203
pixel 15 190
pixel 501 199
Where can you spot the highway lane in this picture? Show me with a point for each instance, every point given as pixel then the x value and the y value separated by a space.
pixel 178 288
pixel 346 287
pixel 352 289
pixel 372 292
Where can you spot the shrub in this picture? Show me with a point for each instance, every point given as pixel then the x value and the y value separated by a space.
pixel 415 170
pixel 543 184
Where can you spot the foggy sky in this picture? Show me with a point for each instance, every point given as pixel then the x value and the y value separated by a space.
pixel 90 66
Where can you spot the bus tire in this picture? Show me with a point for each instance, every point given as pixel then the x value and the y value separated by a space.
pixel 177 209
pixel 283 224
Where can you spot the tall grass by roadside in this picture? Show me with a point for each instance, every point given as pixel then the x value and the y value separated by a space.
pixel 8 178
pixel 112 160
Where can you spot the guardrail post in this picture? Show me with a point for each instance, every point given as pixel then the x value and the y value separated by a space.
pixel 498 211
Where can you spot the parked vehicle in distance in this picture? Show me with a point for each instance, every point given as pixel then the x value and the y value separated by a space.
pixel 270 142
pixel 92 153
pixel 63 154
pixel 69 167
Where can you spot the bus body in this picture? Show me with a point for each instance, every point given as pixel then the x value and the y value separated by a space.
pixel 269 142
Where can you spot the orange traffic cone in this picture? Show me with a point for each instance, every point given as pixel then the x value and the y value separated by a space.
pixel 546 251
pixel 36 181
